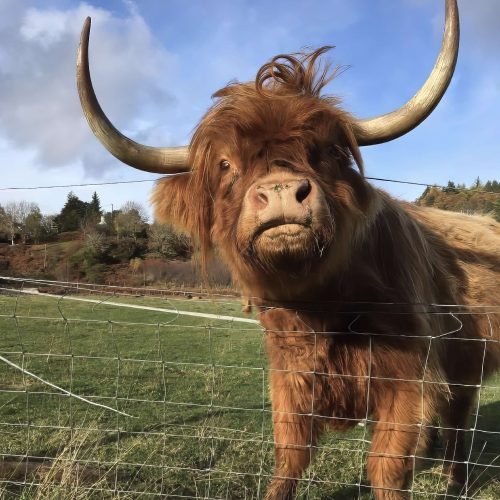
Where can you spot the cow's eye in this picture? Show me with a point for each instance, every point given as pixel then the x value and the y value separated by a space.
pixel 337 152
pixel 224 165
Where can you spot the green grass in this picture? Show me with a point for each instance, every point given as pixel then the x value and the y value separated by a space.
pixel 196 389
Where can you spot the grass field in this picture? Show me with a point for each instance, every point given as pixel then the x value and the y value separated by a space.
pixel 196 392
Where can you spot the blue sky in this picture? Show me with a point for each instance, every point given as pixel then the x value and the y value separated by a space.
pixel 156 63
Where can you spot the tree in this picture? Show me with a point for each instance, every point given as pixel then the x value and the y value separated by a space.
pixel 49 226
pixel 15 216
pixel 72 214
pixel 477 183
pixel 450 188
pixel 93 210
pixel 33 228
pixel 94 242
pixel 130 220
pixel 3 220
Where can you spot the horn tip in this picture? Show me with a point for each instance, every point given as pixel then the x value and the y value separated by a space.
pixel 86 25
pixel 85 34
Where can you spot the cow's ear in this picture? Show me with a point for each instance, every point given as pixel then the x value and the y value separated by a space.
pixel 172 199
pixel 182 201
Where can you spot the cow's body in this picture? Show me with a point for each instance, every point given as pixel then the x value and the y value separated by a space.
pixel 357 352
pixel 366 301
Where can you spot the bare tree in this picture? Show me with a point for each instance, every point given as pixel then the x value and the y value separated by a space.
pixel 130 220
pixel 15 217
pixel 32 227
pixel 94 241
pixel 48 223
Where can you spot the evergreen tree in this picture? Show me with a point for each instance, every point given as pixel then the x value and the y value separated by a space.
pixel 72 214
pixel 450 188
pixel 94 211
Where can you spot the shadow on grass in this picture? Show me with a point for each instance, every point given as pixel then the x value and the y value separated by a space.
pixel 236 459
pixel 483 457
pixel 484 448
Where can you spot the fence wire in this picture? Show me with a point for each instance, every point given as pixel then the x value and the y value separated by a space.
pixel 114 392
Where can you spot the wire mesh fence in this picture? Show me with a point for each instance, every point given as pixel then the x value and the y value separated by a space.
pixel 112 392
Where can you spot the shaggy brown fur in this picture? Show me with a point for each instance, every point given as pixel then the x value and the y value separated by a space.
pixel 354 324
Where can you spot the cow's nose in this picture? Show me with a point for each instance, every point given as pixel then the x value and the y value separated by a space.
pixel 282 193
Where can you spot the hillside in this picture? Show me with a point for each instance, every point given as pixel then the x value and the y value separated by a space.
pixel 126 262
pixel 480 199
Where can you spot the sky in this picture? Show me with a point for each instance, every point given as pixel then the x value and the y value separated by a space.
pixel 155 65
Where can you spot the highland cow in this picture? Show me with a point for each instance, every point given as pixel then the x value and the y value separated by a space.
pixel 348 281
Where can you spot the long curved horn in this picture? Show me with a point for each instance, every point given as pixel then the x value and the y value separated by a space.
pixel 390 126
pixel 170 160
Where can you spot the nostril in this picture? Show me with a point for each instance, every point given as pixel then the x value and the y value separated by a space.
pixel 303 190
pixel 261 199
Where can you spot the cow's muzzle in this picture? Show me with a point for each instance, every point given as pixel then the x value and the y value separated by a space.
pixel 280 201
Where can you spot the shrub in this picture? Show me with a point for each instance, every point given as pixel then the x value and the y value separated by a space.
pixel 164 241
pixel 125 249
pixel 95 273
pixel 135 264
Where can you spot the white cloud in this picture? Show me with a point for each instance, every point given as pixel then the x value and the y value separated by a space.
pixel 46 28
pixel 40 108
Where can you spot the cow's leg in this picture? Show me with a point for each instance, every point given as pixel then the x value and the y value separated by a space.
pixel 455 418
pixel 397 433
pixel 295 435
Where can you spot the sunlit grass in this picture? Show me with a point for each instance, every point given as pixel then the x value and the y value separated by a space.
pixel 196 392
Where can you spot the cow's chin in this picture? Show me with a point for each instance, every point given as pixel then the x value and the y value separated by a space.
pixel 288 245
